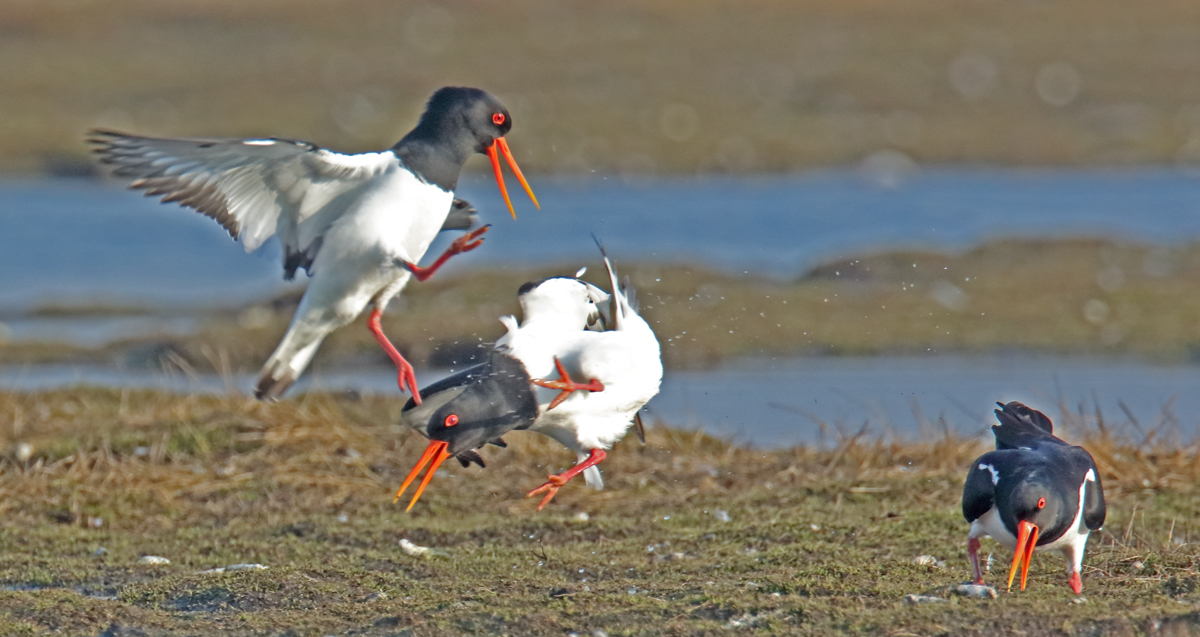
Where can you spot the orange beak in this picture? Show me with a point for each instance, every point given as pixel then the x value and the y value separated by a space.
pixel 1027 534
pixel 512 163
pixel 437 452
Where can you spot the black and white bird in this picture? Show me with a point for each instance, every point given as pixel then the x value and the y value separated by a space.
pixel 622 366
pixel 465 411
pixel 1033 493
pixel 358 224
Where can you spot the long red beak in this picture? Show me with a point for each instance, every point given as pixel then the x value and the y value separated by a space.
pixel 437 452
pixel 1027 534
pixel 512 163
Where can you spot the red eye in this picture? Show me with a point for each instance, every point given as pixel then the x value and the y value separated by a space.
pixel 498 119
pixel 1041 502
pixel 451 420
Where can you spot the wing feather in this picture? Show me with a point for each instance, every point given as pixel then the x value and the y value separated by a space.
pixel 254 188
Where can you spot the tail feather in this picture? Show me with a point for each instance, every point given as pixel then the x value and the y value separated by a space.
pixel 1021 426
pixel 290 359
pixel 622 296
pixel 591 475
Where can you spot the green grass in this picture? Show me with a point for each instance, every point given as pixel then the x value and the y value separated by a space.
pixel 619 87
pixel 817 542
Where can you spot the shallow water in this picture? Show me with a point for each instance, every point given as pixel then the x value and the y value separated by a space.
pixel 780 402
pixel 70 241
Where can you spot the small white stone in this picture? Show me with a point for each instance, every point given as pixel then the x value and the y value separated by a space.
pixel 246 567
pixel 1079 600
pixel 925 560
pixel 977 591
pixel 582 516
pixel 23 451
pixel 723 516
pixel 153 560
pixel 922 599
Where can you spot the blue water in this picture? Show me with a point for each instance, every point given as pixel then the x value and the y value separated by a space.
pixel 80 240
pixel 783 402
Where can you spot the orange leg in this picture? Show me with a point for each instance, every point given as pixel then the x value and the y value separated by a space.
pixel 407 378
pixel 550 488
pixel 567 385
pixel 465 243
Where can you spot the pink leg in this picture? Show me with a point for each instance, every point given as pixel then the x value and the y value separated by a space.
pixel 1075 583
pixel 973 557
pixel 465 243
pixel 567 385
pixel 407 377
pixel 556 481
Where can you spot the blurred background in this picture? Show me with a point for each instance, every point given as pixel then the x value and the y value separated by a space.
pixel 835 212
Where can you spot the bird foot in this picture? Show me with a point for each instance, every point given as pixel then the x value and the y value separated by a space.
pixel 566 385
pixel 465 243
pixel 553 482
pixel 550 488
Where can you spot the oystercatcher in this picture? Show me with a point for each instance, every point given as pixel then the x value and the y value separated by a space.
pixel 465 411
pixel 357 224
pixel 622 365
pixel 1033 493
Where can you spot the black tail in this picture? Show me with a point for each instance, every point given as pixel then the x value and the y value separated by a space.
pixel 1021 426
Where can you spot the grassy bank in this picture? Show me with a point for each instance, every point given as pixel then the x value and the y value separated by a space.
pixel 621 87
pixel 692 535
pixel 1061 297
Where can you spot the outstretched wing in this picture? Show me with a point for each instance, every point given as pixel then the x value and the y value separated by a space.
pixel 254 188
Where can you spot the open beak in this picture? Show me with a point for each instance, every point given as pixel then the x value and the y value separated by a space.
pixel 1027 534
pixel 437 451
pixel 512 163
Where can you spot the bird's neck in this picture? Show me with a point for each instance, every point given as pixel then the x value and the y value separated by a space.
pixel 434 159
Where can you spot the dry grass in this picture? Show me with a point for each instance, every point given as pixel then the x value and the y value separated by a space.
pixel 819 540
pixel 620 87
pixel 1079 296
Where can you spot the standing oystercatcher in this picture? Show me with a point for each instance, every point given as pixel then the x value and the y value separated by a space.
pixel 1033 493
pixel 622 365
pixel 465 411
pixel 357 224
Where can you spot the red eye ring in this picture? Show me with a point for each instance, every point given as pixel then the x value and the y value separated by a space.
pixel 498 119
pixel 1041 502
pixel 451 420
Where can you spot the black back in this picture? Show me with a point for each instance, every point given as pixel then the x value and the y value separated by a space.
pixel 488 401
pixel 457 122
pixel 1030 463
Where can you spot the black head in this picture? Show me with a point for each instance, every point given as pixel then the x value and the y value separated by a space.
pixel 465 113
pixel 1035 501
pixel 477 406
pixel 468 410
pixel 457 122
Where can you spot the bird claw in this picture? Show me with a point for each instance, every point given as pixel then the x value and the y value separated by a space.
pixel 550 488
pixel 465 243
pixel 407 380
pixel 469 241
pixel 566 385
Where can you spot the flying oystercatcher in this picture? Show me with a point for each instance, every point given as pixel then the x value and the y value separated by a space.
pixel 1033 493
pixel 622 365
pixel 465 411
pixel 358 224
